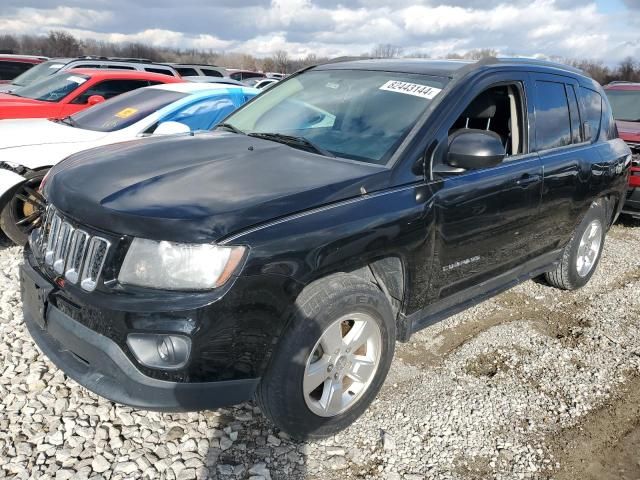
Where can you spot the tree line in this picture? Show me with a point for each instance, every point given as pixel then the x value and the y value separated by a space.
pixel 62 44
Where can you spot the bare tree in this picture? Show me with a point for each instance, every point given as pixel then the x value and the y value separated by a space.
pixel 480 53
pixel 62 44
pixel 281 60
pixel 386 50
pixel 9 44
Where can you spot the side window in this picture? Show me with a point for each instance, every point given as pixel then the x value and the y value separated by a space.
pixel 553 124
pixel 110 88
pixel 499 110
pixel 576 134
pixel 119 67
pixel 202 115
pixel 236 75
pixel 591 112
pixel 211 72
pixel 187 71
pixel 608 123
pixel 85 65
pixel 163 71
pixel 10 70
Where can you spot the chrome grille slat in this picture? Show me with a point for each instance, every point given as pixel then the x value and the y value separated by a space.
pixel 71 251
pixel 62 247
pixel 96 255
pixel 77 250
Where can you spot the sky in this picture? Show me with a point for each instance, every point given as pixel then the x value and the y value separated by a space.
pixel 607 30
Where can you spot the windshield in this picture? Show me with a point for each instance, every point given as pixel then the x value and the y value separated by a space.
pixel 36 73
pixel 124 110
pixel 52 89
pixel 356 114
pixel 625 104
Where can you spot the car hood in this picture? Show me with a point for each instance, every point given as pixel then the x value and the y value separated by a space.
pixel 7 99
pixel 200 188
pixel 30 131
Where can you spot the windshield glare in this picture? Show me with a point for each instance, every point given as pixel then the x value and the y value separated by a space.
pixel 41 70
pixel 124 110
pixel 625 104
pixel 356 114
pixel 52 89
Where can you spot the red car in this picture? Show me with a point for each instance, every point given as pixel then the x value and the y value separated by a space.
pixel 624 98
pixel 13 65
pixel 66 93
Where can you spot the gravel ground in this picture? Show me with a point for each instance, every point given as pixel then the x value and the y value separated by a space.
pixel 535 383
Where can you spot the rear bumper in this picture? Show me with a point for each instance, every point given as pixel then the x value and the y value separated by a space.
pixel 99 364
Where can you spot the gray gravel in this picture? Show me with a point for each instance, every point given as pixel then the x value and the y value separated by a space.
pixel 480 395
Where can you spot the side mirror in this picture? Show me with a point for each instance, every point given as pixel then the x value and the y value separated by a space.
pixel 95 99
pixel 473 149
pixel 171 128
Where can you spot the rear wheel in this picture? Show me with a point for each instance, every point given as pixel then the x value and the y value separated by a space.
pixel 23 211
pixel 581 256
pixel 332 359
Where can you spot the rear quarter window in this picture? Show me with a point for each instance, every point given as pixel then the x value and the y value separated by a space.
pixel 591 112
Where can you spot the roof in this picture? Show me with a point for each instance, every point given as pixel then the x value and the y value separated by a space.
pixel 622 86
pixel 24 58
pixel 124 74
pixel 442 68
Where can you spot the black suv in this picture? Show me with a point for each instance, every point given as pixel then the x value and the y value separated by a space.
pixel 281 256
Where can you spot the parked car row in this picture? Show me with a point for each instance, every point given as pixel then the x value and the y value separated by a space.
pixel 282 253
pixel 22 70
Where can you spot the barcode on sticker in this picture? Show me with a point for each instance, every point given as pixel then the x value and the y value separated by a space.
pixel 414 89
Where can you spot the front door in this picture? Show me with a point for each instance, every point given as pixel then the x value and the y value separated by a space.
pixel 487 219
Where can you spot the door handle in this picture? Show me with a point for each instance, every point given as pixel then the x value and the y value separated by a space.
pixel 527 179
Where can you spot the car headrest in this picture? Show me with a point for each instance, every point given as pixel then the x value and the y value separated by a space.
pixel 483 106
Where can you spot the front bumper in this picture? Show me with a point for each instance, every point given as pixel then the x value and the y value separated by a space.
pixel 99 364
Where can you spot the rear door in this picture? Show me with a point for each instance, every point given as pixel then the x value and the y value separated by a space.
pixel 566 155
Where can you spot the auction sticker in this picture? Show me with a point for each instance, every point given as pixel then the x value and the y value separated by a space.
pixel 78 80
pixel 414 89
pixel 126 113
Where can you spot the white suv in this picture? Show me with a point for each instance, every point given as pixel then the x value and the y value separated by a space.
pixel 56 65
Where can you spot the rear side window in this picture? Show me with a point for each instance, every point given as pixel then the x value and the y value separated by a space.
pixel 591 112
pixel 209 72
pixel 553 123
pixel 110 88
pixel 163 71
pixel 10 70
pixel 187 71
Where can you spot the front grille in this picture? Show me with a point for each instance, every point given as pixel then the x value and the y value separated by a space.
pixel 71 252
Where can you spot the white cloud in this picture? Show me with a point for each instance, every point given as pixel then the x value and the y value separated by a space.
pixel 569 28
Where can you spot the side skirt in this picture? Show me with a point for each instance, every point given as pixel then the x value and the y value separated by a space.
pixel 449 306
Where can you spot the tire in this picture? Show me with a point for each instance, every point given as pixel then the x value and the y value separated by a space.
pixel 571 273
pixel 340 301
pixel 25 205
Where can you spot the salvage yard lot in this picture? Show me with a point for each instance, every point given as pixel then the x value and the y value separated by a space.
pixel 535 383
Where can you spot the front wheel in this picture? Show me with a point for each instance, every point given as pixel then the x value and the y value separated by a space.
pixel 332 359
pixel 582 254
pixel 23 211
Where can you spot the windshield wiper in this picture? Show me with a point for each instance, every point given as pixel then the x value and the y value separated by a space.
pixel 293 141
pixel 230 127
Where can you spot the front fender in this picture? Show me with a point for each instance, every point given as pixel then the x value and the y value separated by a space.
pixel 8 181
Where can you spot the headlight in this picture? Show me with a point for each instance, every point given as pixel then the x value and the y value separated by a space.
pixel 179 266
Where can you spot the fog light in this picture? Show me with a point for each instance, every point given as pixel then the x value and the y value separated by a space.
pixel 160 350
